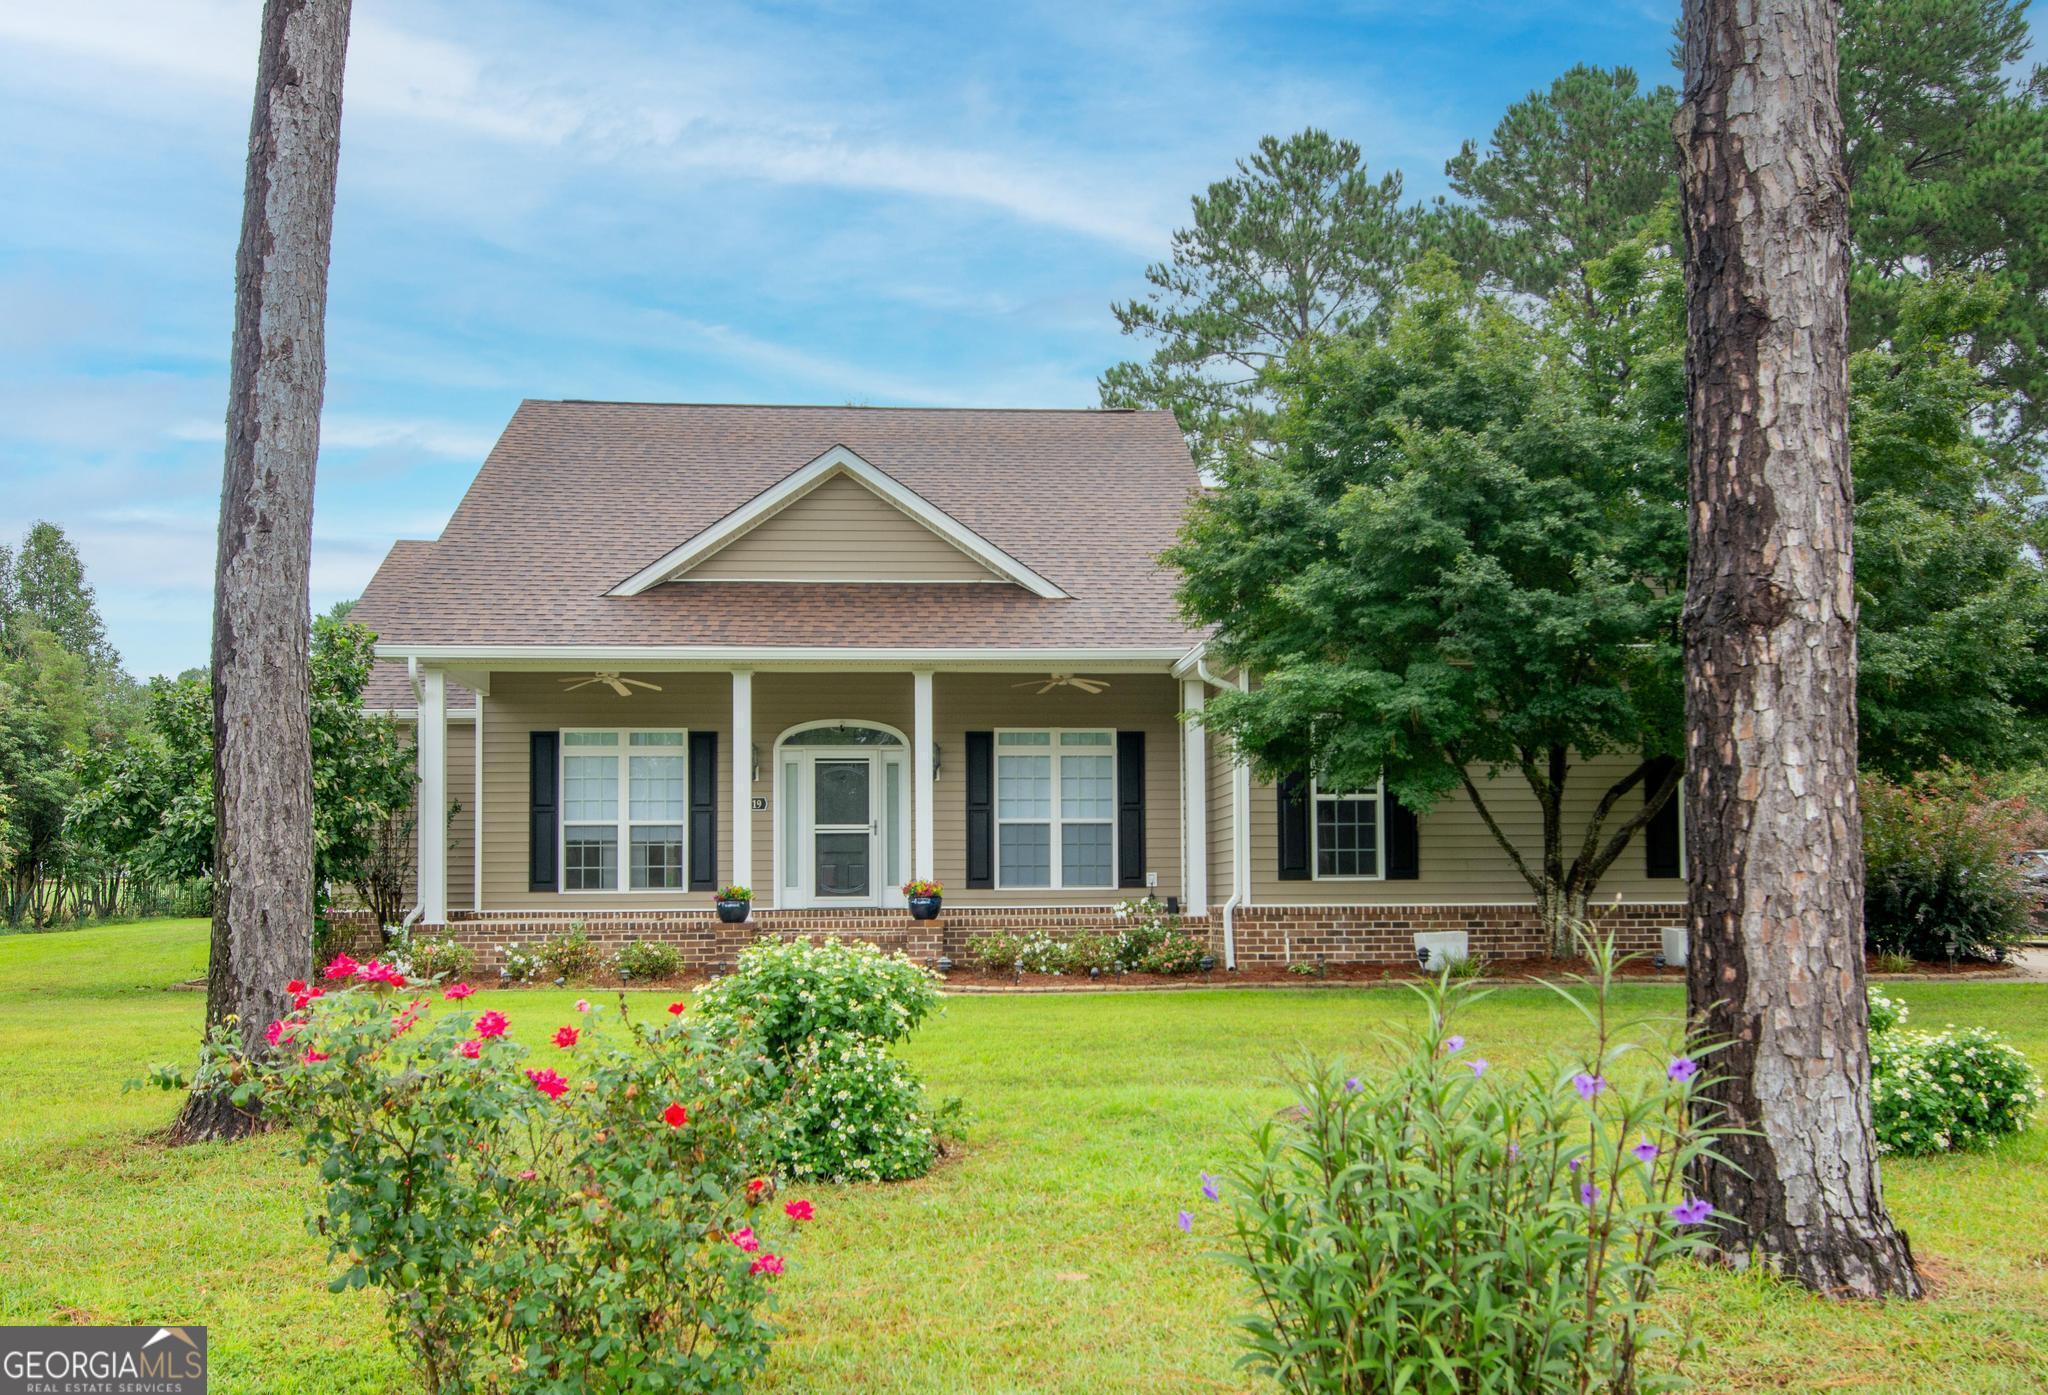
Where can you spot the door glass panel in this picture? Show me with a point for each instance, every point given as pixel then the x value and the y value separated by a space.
pixel 842 863
pixel 791 857
pixel 842 792
pixel 892 820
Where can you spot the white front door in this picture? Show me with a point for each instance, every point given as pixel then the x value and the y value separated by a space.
pixel 841 826
pixel 844 831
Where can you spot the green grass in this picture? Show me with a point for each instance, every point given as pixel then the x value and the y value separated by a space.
pixel 1043 1259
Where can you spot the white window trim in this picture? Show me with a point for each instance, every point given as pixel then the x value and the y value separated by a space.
pixel 1316 795
pixel 1055 821
pixel 624 822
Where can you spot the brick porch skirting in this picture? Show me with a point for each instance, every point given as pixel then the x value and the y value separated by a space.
pixel 1267 936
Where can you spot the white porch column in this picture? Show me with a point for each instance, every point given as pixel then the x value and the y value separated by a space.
pixel 1194 801
pixel 923 777
pixel 433 815
pixel 743 776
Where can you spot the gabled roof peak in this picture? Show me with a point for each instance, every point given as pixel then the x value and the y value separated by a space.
pixel 839 461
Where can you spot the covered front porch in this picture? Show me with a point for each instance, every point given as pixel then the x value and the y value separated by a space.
pixel 607 785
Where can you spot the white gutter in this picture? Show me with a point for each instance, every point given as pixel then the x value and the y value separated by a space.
pixel 412 676
pixel 1240 826
pixel 500 655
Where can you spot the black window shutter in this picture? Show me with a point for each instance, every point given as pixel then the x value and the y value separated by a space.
pixel 1660 835
pixel 703 810
pixel 1404 841
pixel 1294 811
pixel 1130 808
pixel 981 809
pixel 544 811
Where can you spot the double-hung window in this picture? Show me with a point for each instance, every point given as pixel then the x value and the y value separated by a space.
pixel 623 794
pixel 1348 833
pixel 1056 808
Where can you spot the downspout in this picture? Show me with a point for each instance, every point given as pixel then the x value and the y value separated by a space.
pixel 1240 835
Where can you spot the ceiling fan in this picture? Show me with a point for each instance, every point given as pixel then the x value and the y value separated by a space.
pixel 622 686
pixel 1063 680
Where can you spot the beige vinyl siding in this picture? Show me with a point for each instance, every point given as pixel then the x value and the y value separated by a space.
pixel 1144 702
pixel 1460 861
pixel 1222 862
pixel 522 703
pixel 840 531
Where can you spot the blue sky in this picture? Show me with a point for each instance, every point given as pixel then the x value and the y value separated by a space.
pixel 891 203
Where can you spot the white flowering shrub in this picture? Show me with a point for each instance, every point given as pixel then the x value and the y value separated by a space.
pixel 1886 1014
pixel 822 1014
pixel 1946 1091
pixel 858 1114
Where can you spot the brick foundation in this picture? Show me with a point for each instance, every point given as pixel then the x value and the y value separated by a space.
pixel 1274 935
pixel 1267 936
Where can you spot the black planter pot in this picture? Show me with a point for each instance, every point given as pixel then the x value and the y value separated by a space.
pixel 733 912
pixel 924 907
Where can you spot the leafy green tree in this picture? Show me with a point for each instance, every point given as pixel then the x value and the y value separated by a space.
pixel 1946 140
pixel 1566 176
pixel 1466 553
pixel 153 801
pixel 1954 646
pixel 1301 244
pixel 46 590
pixel 36 787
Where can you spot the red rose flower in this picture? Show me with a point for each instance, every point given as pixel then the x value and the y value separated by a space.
pixel 799 1211
pixel 472 1049
pixel 675 1116
pixel 548 1083
pixel 745 1238
pixel 340 966
pixel 565 1036
pixel 771 1265
pixel 456 992
pixel 491 1024
pixel 755 1188
pixel 677 1009
pixel 295 987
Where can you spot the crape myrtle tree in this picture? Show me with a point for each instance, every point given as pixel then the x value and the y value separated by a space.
pixel 1465 554
pixel 1302 243
pixel 1775 970
pixel 262 773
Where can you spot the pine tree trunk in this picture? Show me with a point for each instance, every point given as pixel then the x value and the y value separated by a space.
pixel 262 741
pixel 1773 833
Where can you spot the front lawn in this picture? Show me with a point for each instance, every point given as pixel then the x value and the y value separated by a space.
pixel 1044 1259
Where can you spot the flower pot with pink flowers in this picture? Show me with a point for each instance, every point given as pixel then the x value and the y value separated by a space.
pixel 924 898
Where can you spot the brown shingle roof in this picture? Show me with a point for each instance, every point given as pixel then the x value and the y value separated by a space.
pixel 577 496
pixel 388 689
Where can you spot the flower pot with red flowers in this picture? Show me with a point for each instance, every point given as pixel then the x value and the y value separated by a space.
pixel 734 902
pixel 924 899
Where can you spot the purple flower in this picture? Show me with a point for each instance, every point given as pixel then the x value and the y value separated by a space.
pixel 1209 1187
pixel 1186 1221
pixel 1454 1044
pixel 1478 1065
pixel 1588 1085
pixel 1352 1087
pixel 1683 1069
pixel 1588 1193
pixel 1645 1151
pixel 1573 1164
pixel 1692 1211
pixel 1514 1152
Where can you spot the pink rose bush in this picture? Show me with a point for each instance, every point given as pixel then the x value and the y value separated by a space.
pixel 586 1219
